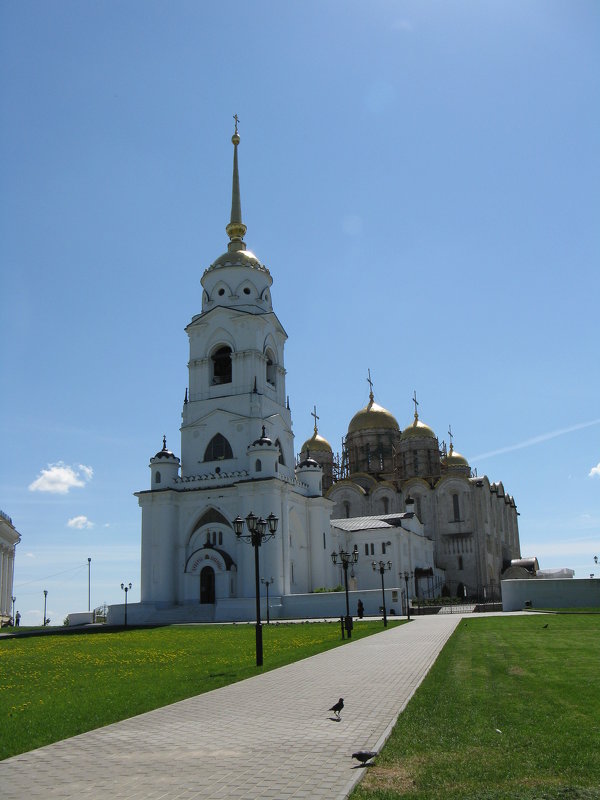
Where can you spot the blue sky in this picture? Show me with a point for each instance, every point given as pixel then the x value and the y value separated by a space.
pixel 421 178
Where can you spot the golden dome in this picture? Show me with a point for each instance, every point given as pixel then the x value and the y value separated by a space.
pixel 454 459
pixel 372 416
pixel 316 444
pixel 418 428
pixel 238 258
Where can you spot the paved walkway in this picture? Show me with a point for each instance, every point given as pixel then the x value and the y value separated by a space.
pixel 269 737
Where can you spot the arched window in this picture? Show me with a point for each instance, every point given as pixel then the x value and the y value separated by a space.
pixel 386 504
pixel 221 365
pixel 218 449
pixel 281 461
pixel 258 465
pixel 157 478
pixel 460 562
pixel 347 509
pixel 271 368
pixel 455 508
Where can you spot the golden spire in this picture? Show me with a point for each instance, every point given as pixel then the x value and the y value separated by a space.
pixel 236 228
pixel 370 382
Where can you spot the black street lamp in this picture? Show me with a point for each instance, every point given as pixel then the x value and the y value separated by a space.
pixel 89 584
pixel 257 534
pixel 267 584
pixel 14 600
pixel 45 596
pixel 346 559
pixel 126 588
pixel 408 575
pixel 382 566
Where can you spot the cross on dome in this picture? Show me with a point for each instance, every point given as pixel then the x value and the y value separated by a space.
pixel 370 382
pixel 416 402
pixel 315 415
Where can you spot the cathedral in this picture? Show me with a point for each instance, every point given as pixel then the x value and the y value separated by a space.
pixel 383 469
pixel 393 502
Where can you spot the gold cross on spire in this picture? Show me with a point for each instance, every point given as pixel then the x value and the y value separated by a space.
pixel 416 402
pixel 237 119
pixel 314 414
pixel 451 437
pixel 370 382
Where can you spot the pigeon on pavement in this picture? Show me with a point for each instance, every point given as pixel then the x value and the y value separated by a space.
pixel 364 755
pixel 338 707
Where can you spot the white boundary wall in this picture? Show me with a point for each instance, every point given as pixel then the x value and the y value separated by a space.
pixel 545 593
pixel 291 606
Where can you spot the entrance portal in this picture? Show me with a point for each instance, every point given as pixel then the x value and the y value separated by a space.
pixel 207 585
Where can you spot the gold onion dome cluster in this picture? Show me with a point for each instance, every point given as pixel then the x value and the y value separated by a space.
pixel 372 416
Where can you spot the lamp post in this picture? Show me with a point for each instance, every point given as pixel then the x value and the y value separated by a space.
pixel 126 588
pixel 382 566
pixel 346 558
pixel 14 600
pixel 407 575
pixel 257 534
pixel 45 596
pixel 267 584
pixel 89 584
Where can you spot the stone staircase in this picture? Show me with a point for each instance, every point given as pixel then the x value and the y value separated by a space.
pixel 460 608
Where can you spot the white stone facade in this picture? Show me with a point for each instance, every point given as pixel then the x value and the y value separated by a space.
pixel 9 539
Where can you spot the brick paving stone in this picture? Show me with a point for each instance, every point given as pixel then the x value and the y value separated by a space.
pixel 270 736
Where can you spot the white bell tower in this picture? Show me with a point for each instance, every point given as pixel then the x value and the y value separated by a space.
pixel 236 366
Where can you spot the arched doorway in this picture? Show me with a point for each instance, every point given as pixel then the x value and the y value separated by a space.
pixel 207 585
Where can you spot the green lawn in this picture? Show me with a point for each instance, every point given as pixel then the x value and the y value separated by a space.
pixel 54 686
pixel 574 610
pixel 511 709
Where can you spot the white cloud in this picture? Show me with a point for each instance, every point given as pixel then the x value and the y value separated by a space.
pixel 88 472
pixel 29 555
pixel 595 471
pixel 80 523
pixel 59 478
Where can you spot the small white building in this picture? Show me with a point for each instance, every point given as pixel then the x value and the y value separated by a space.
pixel 395 538
pixel 9 539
